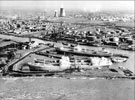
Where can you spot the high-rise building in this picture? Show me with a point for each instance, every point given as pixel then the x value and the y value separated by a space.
pixel 43 16
pixel 62 12
pixel 55 13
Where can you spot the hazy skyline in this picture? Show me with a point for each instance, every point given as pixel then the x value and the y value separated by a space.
pixel 81 5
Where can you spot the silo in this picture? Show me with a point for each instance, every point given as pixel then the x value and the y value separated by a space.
pixel 62 12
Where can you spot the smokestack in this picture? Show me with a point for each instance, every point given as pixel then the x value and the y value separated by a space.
pixel 62 12
pixel 55 13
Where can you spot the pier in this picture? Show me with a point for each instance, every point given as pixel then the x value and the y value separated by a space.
pixel 9 66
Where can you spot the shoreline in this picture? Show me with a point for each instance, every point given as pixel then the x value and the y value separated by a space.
pixel 74 75
pixel 71 78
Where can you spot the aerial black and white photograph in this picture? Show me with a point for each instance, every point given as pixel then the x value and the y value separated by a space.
pixel 67 50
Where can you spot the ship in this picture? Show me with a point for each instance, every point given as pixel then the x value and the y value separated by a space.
pixel 65 63
pixel 51 66
pixel 118 59
pixel 86 52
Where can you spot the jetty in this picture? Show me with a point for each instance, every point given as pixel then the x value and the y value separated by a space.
pixel 10 65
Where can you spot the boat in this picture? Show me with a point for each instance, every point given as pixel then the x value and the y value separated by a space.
pixel 65 63
pixel 44 65
pixel 83 52
pixel 118 59
pixel 86 52
pixel 42 61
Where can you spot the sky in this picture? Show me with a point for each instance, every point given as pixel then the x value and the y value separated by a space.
pixel 92 6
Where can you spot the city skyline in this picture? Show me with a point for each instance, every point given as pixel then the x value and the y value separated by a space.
pixel 92 6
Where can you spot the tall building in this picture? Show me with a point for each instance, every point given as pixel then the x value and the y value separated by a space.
pixel 62 12
pixel 43 16
pixel 55 13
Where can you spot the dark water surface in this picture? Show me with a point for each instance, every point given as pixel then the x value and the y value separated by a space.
pixel 43 88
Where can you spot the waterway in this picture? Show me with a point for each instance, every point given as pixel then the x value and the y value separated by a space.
pixel 65 89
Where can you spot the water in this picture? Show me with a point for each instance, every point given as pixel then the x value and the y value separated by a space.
pixel 65 89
